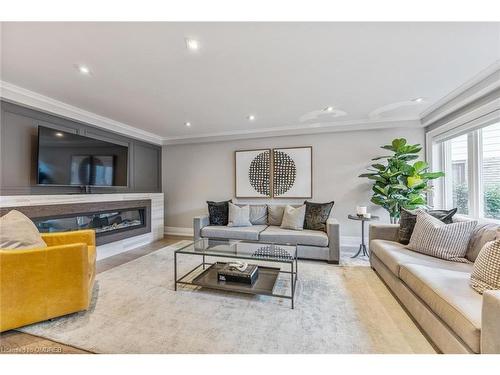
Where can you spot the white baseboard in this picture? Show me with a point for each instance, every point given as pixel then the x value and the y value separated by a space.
pixel 179 231
pixel 351 241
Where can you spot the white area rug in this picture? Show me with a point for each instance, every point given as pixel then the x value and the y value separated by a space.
pixel 339 309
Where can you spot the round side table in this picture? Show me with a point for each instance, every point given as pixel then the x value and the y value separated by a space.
pixel 362 247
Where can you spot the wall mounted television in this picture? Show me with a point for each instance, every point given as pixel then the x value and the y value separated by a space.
pixel 68 159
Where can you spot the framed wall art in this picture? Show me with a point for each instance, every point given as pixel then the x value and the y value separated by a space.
pixel 253 173
pixel 292 172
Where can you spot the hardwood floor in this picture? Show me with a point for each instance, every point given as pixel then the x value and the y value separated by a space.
pixel 15 342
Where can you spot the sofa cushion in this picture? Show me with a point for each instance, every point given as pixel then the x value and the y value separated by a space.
pixel 486 270
pixel 408 219
pixel 446 241
pixel 293 218
pixel 317 215
pixel 448 294
pixel 218 212
pixel 393 255
pixel 258 213
pixel 482 233
pixel 309 237
pixel 17 231
pixel 234 233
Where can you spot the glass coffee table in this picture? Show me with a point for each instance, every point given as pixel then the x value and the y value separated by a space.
pixel 264 255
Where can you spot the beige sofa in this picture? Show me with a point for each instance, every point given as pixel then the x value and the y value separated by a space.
pixel 436 292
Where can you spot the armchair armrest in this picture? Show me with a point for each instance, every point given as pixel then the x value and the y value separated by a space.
pixel 387 232
pixel 62 238
pixel 333 232
pixel 198 223
pixel 490 325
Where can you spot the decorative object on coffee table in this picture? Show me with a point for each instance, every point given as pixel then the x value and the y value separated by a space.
pixel 362 247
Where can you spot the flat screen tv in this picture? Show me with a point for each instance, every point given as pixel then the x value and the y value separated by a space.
pixel 70 159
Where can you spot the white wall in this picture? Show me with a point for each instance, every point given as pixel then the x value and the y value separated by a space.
pixel 195 173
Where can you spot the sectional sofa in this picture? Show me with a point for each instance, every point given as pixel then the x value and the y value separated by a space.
pixel 437 293
pixel 311 244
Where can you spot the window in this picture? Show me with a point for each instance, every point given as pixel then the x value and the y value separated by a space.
pixel 490 170
pixel 471 161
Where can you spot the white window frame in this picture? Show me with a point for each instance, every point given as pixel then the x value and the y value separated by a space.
pixel 438 156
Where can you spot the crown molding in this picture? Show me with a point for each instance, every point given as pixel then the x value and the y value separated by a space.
pixel 19 95
pixel 332 127
pixel 485 82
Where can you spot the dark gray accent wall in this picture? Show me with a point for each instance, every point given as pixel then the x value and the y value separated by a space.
pixel 18 151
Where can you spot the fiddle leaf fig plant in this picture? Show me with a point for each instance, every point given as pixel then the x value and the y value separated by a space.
pixel 398 182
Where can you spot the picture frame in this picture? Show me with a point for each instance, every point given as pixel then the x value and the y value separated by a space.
pixel 292 176
pixel 252 171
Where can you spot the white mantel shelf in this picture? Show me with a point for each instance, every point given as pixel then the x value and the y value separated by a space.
pixel 109 249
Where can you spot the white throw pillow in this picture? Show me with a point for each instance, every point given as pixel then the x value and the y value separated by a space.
pixel 486 271
pixel 293 218
pixel 18 232
pixel 239 216
pixel 446 241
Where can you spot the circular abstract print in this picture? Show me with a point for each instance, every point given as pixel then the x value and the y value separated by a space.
pixel 258 173
pixel 284 173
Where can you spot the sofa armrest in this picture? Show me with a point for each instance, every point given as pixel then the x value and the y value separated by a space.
pixel 198 223
pixel 490 322
pixel 333 232
pixel 62 238
pixel 387 232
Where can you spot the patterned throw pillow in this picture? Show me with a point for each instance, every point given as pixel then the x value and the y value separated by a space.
pixel 218 212
pixel 317 214
pixel 408 219
pixel 446 241
pixel 486 271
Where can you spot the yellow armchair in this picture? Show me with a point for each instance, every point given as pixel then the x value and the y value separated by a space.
pixel 40 284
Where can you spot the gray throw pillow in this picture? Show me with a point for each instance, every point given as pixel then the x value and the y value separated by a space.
pixel 293 218
pixel 317 214
pixel 486 272
pixel 275 215
pixel 239 216
pixel 446 241
pixel 408 219
pixel 258 213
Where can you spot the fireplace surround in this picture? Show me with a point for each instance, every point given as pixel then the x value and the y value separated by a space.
pixel 112 221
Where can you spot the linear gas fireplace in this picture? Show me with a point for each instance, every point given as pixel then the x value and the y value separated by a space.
pixel 112 221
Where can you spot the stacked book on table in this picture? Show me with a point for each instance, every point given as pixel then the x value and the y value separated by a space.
pixel 238 272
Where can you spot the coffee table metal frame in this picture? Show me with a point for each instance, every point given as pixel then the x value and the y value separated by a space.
pixel 292 262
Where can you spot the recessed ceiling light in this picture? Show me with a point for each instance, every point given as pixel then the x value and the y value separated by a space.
pixel 418 100
pixel 188 124
pixel 83 69
pixel 59 135
pixel 328 109
pixel 251 117
pixel 192 44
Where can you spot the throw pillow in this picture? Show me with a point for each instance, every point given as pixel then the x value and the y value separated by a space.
pixel 317 214
pixel 446 241
pixel 408 219
pixel 293 218
pixel 239 216
pixel 218 212
pixel 17 231
pixel 275 215
pixel 486 271
pixel 482 233
pixel 258 214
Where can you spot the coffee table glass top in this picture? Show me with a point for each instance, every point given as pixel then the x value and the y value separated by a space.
pixel 241 249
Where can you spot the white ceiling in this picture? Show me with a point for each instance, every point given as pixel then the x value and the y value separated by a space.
pixel 283 73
